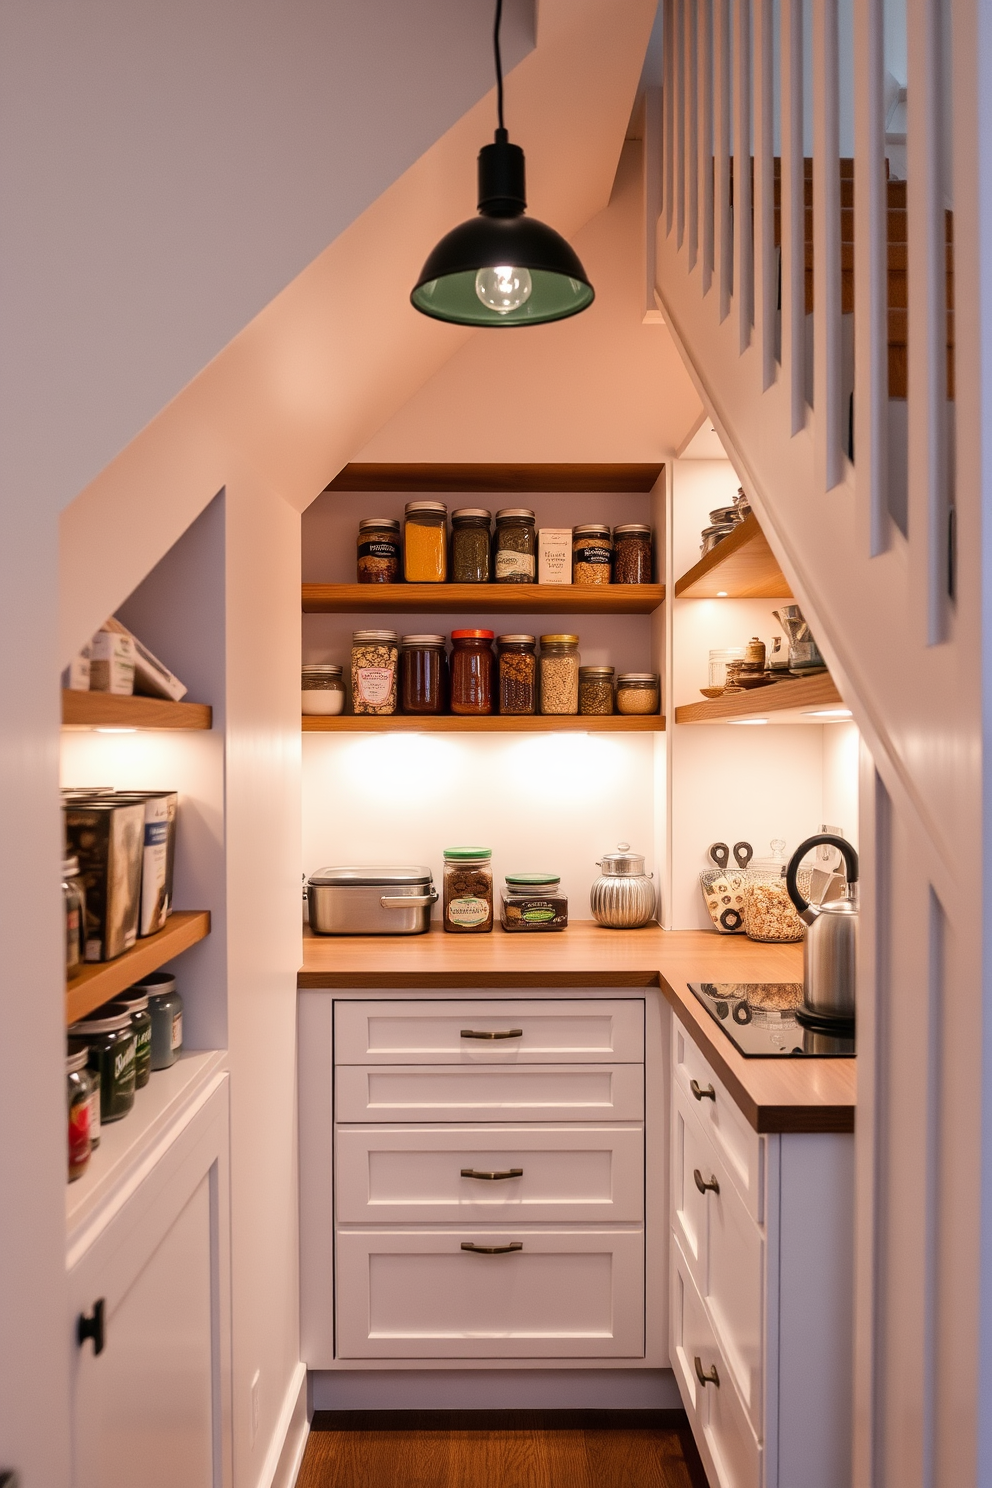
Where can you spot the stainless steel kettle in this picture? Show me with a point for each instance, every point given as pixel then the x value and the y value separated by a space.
pixel 829 952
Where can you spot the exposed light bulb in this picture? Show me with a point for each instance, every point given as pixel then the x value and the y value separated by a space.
pixel 503 288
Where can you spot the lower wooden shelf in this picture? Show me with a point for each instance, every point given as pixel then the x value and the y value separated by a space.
pixel 494 723
pixel 111 711
pixel 797 697
pixel 98 982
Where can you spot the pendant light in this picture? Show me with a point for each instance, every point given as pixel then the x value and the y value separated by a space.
pixel 502 268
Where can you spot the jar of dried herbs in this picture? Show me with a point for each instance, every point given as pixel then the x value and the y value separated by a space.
pixel 468 890
pixel 517 666
pixel 559 674
pixel 592 551
pixel 378 550
pixel 425 542
pixel 596 689
pixel 471 545
pixel 516 546
pixel 633 556
pixel 373 671
pixel 638 692
pixel 423 674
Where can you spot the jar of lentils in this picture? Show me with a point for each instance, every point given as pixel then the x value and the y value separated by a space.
pixel 633 554
pixel 516 546
pixel 378 550
pixel 596 689
pixel 423 674
pixel 517 666
pixel 373 671
pixel 559 674
pixel 471 545
pixel 592 549
pixel 472 671
pixel 638 692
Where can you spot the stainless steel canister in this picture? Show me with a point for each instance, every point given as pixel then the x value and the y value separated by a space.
pixel 371 900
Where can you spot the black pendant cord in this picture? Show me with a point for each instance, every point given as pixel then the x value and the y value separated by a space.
pixel 499 64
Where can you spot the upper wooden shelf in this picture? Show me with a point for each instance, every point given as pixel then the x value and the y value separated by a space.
pixel 101 981
pixel 108 710
pixel 490 723
pixel 508 599
pixel 742 566
pixel 509 479
pixel 795 697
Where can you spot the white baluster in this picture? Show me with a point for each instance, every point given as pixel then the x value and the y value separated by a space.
pixel 765 257
pixel 829 417
pixel 704 49
pixel 793 214
pixel 743 252
pixel 724 226
pixel 871 330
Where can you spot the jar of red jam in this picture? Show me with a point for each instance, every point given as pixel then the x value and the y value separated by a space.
pixel 472 663
pixel 78 1093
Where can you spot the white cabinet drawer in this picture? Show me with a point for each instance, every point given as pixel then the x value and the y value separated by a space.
pixel 731 1453
pixel 431 1174
pixel 740 1146
pixel 417 1294
pixel 556 1092
pixel 526 1031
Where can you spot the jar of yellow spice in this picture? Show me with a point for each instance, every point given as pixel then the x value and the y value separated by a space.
pixel 425 542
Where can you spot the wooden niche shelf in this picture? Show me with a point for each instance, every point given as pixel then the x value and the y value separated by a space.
pixel 742 566
pixel 798 696
pixel 108 710
pixel 462 478
pixel 506 599
pixel 493 723
pixel 101 981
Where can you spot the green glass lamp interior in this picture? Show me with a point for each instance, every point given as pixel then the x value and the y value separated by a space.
pixel 455 297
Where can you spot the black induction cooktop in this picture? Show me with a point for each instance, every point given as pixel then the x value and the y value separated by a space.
pixel 760 1018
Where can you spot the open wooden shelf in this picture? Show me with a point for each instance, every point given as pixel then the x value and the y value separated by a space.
pixel 100 981
pixel 509 479
pixel 446 599
pixel 742 566
pixel 493 723
pixel 794 696
pixel 108 710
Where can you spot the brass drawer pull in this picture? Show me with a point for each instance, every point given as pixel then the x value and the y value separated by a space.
pixel 491 1177
pixel 712 1378
pixel 492 1249
pixel 708 1094
pixel 701 1183
pixel 508 1033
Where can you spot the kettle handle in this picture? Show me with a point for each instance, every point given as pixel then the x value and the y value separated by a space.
pixel 791 873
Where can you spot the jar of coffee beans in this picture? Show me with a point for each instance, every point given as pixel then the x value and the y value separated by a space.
pixel 378 550
pixel 471 545
pixel 559 674
pixel 596 689
pixel 633 556
pixel 592 549
pixel 373 671
pixel 517 668
pixel 516 546
pixel 468 890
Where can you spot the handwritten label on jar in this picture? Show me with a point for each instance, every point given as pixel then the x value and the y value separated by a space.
pixel 374 683
pixel 468 911
pixel 508 563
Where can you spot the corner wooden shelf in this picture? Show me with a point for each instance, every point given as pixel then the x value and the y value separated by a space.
pixel 108 710
pixel 794 696
pixel 494 723
pixel 742 566
pixel 100 981
pixel 507 599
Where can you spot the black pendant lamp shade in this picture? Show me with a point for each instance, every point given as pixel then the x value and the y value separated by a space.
pixel 502 268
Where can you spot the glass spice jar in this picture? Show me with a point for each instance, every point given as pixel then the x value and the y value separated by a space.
pixel 93 1075
pixel 74 907
pixel 596 689
pixel 638 692
pixel 471 545
pixel 378 550
pixel 472 671
pixel 423 674
pixel 373 671
pixel 633 554
pixel 166 1007
pixel 110 1037
pixel 425 543
pixel 322 688
pixel 468 890
pixel 559 674
pixel 78 1097
pixel 517 665
pixel 592 549
pixel 516 546
pixel 136 998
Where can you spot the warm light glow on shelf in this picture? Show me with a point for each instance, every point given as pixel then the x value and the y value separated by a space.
pixel 837 714
pixel 721 594
pixel 743 721
pixel 115 730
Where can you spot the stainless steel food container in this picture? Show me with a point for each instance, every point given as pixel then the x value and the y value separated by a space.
pixel 373 900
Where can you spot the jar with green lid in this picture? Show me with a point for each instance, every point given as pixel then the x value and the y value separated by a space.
pixel 78 1092
pixel 533 901
pixel 596 689
pixel 516 546
pixel 517 667
pixel 166 1007
pixel 559 674
pixel 471 545
pixel 468 890
pixel 110 1037
pixel 136 998
pixel 425 542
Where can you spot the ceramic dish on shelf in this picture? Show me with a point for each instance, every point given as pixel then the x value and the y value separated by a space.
pixel 711 692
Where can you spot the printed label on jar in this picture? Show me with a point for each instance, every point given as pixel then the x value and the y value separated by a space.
pixel 592 555
pixel 379 549
pixel 468 911
pixel 374 684
pixel 177 1030
pixel 508 564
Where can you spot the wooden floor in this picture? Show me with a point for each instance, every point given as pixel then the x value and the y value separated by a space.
pixel 574 1449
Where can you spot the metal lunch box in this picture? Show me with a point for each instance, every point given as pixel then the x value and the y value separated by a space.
pixel 374 900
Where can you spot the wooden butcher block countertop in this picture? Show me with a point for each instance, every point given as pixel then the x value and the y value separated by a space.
pixel 775 1094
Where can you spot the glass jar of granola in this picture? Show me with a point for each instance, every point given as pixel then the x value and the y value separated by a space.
pixel 769 913
pixel 373 671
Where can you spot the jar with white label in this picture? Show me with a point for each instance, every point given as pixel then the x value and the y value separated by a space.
pixel 468 890
pixel 516 546
pixel 322 688
pixel 166 1008
pixel 374 657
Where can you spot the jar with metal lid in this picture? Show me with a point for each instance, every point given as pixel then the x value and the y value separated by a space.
pixel 471 545
pixel 110 1037
pixel 374 655
pixel 638 692
pixel 715 534
pixel 592 552
pixel 93 1075
pixel 515 560
pixel 378 550
pixel 769 913
pixel 533 901
pixel 468 890
pixel 322 688
pixel 78 1096
pixel 471 671
pixel 623 897
pixel 423 674
pixel 559 674
pixel 425 542
pixel 136 998
pixel 596 689
pixel 517 664
pixel 166 1007
pixel 74 909
pixel 633 554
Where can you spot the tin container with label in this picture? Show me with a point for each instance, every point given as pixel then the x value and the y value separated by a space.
pixel 112 1044
pixel 165 1006
pixel 533 902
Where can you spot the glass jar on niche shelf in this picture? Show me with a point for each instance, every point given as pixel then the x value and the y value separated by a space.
pixel 596 690
pixel 633 553
pixel 74 910
pixel 374 656
pixel 559 674
pixel 471 545
pixel 378 550
pixel 517 667
pixel 515 560
pixel 592 552
pixel 423 674
pixel 425 542
pixel 468 890
pixel 322 689
pixel 638 692
pixel 472 664
pixel 109 1035
pixel 79 1096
